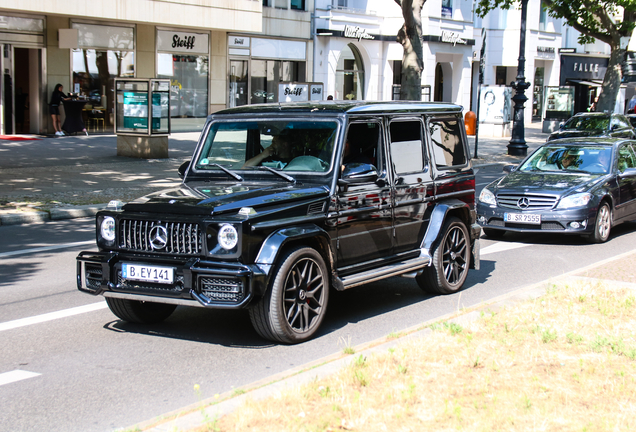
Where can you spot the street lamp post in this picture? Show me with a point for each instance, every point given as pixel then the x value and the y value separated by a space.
pixel 518 146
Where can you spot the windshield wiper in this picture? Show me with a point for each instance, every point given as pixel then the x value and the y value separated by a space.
pixel 278 173
pixel 228 172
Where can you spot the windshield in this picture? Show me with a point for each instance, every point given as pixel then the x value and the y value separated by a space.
pixel 589 159
pixel 591 123
pixel 289 145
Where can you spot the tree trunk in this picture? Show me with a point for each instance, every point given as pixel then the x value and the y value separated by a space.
pixel 410 37
pixel 611 81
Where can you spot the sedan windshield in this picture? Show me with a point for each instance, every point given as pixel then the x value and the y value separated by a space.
pixel 591 123
pixel 589 159
pixel 290 145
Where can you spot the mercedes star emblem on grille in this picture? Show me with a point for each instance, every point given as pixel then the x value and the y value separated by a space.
pixel 523 203
pixel 158 237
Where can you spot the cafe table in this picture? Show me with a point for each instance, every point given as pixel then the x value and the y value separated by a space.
pixel 74 121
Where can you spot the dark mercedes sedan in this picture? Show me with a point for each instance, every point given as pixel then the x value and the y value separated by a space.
pixel 595 124
pixel 569 186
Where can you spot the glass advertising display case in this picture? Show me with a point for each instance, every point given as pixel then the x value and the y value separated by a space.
pixel 142 107
pixel 559 103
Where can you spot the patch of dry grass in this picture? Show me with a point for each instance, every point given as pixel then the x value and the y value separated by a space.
pixel 565 361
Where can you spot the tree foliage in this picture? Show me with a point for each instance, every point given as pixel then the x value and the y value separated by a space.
pixel 605 20
pixel 410 37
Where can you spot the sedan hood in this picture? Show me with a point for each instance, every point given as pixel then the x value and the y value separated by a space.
pixel 575 134
pixel 204 198
pixel 544 183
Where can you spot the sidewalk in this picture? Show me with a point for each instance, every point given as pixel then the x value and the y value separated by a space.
pixel 52 178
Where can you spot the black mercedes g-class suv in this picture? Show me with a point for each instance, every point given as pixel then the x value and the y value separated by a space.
pixel 282 203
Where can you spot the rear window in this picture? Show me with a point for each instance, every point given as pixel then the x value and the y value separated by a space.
pixel 446 139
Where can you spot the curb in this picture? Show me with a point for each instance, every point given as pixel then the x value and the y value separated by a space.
pixel 22 218
pixel 196 415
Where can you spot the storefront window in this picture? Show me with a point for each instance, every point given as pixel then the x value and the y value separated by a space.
pixel 182 57
pixel 105 53
pixel 188 84
pixel 93 70
pixel 350 75
pixel 266 74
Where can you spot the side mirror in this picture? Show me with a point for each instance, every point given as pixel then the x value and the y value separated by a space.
pixel 629 172
pixel 183 169
pixel 561 126
pixel 358 173
pixel 509 168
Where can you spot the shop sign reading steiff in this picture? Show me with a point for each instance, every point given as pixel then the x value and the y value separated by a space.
pixel 299 92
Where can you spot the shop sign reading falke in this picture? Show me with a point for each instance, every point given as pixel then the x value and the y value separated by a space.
pixel 356 32
pixel 454 38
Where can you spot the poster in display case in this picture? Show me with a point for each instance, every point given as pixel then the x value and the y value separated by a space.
pixel 495 105
pixel 559 103
pixel 140 103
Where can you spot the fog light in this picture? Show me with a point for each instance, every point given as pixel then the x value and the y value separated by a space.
pixel 575 225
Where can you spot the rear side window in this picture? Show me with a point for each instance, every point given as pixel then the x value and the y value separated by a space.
pixel 406 146
pixel 446 141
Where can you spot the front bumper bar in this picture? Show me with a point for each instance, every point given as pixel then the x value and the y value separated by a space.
pixel 196 282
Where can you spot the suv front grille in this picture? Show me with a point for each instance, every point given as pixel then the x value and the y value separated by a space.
pixel 531 201
pixel 180 238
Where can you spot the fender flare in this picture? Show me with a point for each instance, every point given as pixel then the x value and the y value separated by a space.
pixel 271 248
pixel 438 216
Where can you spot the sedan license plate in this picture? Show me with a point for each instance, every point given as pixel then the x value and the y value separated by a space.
pixel 145 273
pixel 534 219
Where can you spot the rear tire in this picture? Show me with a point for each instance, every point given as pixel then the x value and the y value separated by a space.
pixel 295 305
pixel 451 260
pixel 603 224
pixel 140 312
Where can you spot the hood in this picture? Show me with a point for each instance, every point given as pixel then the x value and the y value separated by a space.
pixel 575 134
pixel 205 198
pixel 544 183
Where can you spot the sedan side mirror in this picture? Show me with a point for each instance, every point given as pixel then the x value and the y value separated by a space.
pixel 561 126
pixel 509 168
pixel 183 169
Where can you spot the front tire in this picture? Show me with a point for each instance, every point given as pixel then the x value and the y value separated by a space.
pixel 603 224
pixel 295 305
pixel 451 260
pixel 140 312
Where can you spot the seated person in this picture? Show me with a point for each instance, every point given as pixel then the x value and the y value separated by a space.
pixel 569 161
pixel 352 155
pixel 279 150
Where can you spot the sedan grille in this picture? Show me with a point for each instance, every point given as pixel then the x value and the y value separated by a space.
pixel 527 201
pixel 153 236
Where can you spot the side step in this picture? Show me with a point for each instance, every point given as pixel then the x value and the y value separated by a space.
pixel 395 269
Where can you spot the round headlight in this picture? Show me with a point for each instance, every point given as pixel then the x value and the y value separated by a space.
pixel 108 229
pixel 487 197
pixel 227 237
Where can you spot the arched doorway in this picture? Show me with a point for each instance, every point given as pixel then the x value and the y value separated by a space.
pixel 350 74
pixel 439 84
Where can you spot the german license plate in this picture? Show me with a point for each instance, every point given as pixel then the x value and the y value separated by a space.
pixel 145 273
pixel 533 219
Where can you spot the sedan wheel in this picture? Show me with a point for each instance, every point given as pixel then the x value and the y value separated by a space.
pixel 603 224
pixel 296 303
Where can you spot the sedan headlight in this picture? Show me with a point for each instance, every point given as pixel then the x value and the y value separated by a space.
pixel 107 229
pixel 487 197
pixel 227 237
pixel 576 200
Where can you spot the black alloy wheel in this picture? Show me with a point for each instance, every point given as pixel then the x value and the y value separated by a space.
pixel 451 260
pixel 296 303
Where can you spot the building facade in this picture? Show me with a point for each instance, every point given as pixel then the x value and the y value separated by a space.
pixel 85 45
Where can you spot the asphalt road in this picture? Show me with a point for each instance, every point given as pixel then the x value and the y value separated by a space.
pixel 83 370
